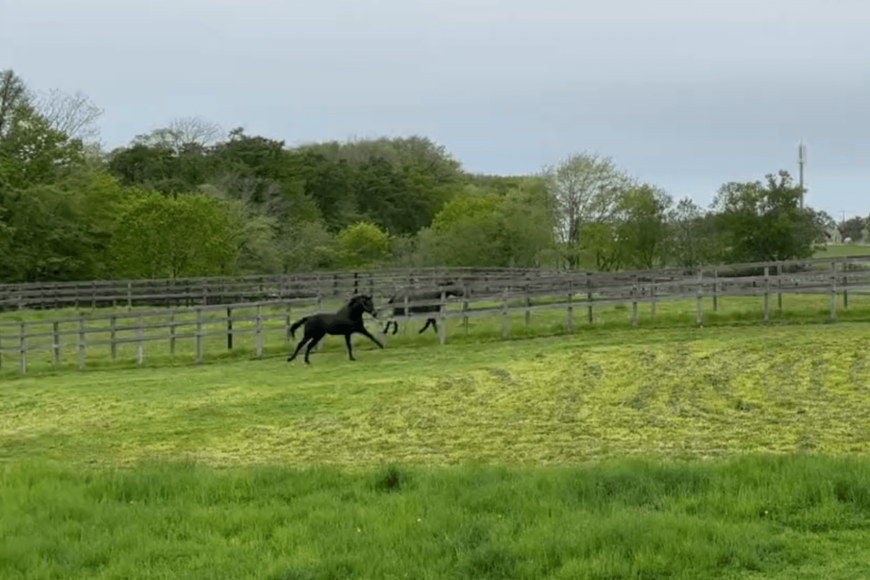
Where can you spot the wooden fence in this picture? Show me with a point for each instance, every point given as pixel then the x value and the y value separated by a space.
pixel 230 290
pixel 214 328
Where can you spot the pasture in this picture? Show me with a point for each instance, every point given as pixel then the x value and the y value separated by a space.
pixel 663 451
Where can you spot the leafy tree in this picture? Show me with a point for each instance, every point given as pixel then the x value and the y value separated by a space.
pixel 192 235
pixel 642 226
pixel 585 189
pixel 691 236
pixel 853 229
pixel 764 222
pixel 488 230
pixel 309 247
pixel 363 246
pixel 33 153
pixel 13 96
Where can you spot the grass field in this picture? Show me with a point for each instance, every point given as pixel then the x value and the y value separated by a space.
pixel 840 250
pixel 664 451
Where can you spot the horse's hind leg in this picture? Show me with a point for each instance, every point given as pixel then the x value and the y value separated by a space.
pixel 349 347
pixel 428 322
pixel 314 340
pixel 299 347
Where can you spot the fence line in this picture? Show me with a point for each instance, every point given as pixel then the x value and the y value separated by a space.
pixel 204 323
pixel 234 289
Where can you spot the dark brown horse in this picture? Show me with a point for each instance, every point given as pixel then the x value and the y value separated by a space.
pixel 345 322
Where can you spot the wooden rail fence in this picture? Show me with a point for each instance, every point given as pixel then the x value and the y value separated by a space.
pixel 245 289
pixel 210 328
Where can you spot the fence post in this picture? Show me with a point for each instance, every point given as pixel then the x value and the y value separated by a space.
pixel 198 340
pixel 528 313
pixel 112 344
pixel 569 326
pixel 442 315
pixel 465 306
pixel 833 291
pixel 172 333
pixel 287 327
pixel 589 298
pixel 635 290
pixel 845 288
pixel 652 293
pixel 229 328
pixel 129 296
pixel 140 347
pixel 715 289
pixel 699 311
pixel 779 286
pixel 259 332
pixel 82 342
pixel 55 339
pixel 505 314
pixel 93 294
pixel 766 294
pixel 22 347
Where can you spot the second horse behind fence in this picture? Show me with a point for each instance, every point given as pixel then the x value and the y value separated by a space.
pixel 419 296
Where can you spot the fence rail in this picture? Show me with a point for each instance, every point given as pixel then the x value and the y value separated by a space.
pixel 211 327
pixel 236 289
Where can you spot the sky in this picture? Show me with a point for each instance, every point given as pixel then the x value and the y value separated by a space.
pixel 684 94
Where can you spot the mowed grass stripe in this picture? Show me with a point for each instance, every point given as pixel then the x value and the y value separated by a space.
pixel 689 393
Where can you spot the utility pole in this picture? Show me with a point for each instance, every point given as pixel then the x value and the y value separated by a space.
pixel 802 157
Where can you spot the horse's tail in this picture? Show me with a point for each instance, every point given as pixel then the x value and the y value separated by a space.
pixel 296 325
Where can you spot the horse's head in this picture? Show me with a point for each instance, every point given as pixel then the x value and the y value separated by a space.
pixel 363 302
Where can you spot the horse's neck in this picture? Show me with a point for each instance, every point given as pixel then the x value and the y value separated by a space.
pixel 353 312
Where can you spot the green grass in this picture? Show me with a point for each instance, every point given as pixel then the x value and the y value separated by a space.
pixel 664 451
pixel 841 250
pixel 802 517
pixel 690 392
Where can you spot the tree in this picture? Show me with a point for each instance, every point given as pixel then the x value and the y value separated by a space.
pixel 585 189
pixel 73 115
pixel 31 152
pixel 13 95
pixel 764 222
pixel 641 226
pixel 853 229
pixel 690 240
pixel 158 236
pixel 180 132
pixel 253 232
pixel 476 229
pixel 363 246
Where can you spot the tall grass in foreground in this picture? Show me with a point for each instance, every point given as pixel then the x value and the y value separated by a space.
pixel 788 517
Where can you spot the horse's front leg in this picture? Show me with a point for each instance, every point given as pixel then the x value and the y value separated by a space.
pixel 362 330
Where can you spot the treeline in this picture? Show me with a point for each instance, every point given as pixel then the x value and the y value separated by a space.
pixel 189 200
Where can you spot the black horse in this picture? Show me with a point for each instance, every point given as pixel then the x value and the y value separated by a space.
pixel 346 321
pixel 426 295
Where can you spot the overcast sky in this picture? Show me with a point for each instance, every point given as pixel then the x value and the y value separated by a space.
pixel 686 94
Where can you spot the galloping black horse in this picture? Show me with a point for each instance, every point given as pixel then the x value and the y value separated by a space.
pixel 428 295
pixel 346 321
